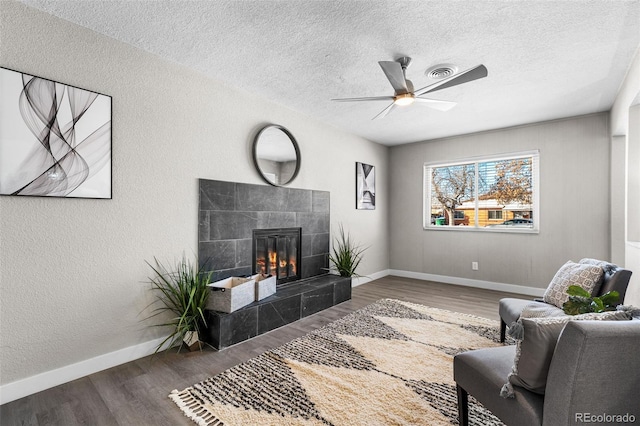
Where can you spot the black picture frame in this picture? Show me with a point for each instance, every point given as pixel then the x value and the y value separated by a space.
pixel 365 186
pixel 55 139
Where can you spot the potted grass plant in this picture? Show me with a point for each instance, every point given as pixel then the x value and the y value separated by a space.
pixel 181 291
pixel 346 255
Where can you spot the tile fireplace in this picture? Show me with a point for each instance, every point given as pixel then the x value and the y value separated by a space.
pixel 229 212
pixel 246 229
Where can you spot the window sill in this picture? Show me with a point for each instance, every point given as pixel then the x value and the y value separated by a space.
pixel 488 229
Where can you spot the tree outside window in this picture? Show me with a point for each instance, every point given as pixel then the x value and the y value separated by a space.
pixel 452 186
pixel 477 193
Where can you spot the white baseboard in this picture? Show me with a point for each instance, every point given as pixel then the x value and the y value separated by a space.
pixel 48 379
pixel 489 285
pixel 356 281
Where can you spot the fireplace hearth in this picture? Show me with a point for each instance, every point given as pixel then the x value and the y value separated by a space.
pixel 277 252
pixel 246 229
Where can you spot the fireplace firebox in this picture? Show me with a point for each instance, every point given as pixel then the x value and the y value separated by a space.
pixel 277 252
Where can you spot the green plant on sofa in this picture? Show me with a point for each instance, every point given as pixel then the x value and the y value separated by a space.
pixel 183 292
pixel 582 302
pixel 346 256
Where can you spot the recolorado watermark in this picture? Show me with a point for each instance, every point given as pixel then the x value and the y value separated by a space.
pixel 605 418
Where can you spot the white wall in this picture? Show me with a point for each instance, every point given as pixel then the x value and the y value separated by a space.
pixel 627 125
pixel 73 271
pixel 574 207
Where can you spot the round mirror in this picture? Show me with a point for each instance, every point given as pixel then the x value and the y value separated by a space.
pixel 276 155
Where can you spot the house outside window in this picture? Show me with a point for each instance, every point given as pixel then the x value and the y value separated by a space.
pixel 495 214
pixel 498 193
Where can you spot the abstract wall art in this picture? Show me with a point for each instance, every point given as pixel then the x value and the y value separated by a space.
pixel 55 139
pixel 365 187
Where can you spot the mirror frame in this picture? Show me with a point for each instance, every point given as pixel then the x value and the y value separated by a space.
pixel 295 147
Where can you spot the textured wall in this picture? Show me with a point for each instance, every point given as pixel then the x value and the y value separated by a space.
pixel 73 271
pixel 574 209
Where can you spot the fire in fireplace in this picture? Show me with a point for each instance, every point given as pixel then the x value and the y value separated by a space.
pixel 277 252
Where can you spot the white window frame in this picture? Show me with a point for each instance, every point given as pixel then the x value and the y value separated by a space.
pixel 535 172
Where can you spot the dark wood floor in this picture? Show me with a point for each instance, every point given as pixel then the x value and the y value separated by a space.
pixel 136 393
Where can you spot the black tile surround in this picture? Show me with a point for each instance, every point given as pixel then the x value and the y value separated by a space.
pixel 229 211
pixel 228 214
pixel 291 302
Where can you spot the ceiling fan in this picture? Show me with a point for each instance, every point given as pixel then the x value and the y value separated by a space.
pixel 404 94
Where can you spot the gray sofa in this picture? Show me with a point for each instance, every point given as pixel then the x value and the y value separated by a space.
pixel 594 371
pixel 614 278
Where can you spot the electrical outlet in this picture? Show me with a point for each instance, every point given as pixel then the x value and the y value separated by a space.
pixel 474 266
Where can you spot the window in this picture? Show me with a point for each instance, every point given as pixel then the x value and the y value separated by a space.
pixel 489 193
pixel 495 214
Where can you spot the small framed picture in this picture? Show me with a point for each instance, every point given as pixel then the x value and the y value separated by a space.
pixel 365 187
pixel 55 139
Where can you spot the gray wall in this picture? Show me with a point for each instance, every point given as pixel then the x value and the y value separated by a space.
pixel 73 273
pixel 574 205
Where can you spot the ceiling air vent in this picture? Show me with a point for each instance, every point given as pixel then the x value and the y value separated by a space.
pixel 441 71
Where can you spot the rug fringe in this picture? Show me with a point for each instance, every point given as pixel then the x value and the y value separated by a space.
pixel 189 407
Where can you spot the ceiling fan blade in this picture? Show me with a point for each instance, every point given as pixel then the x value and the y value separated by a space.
pixel 436 104
pixel 370 98
pixel 393 71
pixel 385 112
pixel 462 77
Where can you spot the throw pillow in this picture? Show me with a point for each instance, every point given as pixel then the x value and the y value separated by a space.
pixel 535 350
pixel 571 273
pixel 606 266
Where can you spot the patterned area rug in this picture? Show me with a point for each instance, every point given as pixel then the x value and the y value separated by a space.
pixel 389 363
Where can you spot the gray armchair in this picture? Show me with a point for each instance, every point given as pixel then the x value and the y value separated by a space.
pixel 614 278
pixel 595 370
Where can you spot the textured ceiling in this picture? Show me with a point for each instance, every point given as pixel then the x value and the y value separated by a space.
pixel 546 59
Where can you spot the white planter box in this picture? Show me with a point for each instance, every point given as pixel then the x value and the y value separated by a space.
pixel 236 293
pixel 265 285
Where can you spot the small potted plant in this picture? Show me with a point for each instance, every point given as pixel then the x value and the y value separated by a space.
pixel 183 292
pixel 582 302
pixel 346 256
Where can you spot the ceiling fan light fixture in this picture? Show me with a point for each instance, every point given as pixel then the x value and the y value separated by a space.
pixel 404 93
pixel 404 99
